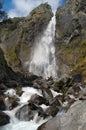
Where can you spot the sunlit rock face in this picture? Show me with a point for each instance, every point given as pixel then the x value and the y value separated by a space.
pixel 71 38
pixel 74 119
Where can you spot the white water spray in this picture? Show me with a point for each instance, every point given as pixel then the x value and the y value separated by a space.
pixel 42 61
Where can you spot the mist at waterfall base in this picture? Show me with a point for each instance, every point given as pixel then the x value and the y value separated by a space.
pixel 42 61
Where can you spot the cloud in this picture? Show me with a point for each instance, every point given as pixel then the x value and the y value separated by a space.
pixel 23 7
pixel 13 13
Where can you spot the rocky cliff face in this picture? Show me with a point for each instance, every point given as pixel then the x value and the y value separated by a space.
pixel 71 38
pixel 5 71
pixel 7 75
pixel 17 35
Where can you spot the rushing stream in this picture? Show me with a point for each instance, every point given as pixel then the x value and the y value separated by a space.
pixel 42 61
pixel 15 124
pixel 20 125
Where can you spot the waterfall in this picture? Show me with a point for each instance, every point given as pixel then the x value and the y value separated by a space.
pixel 42 62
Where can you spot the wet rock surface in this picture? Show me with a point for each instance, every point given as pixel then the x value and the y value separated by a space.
pixel 39 100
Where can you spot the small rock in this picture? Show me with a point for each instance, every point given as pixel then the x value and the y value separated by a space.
pixel 39 100
pixel 47 94
pixel 52 111
pixel 56 101
pixel 36 85
pixel 19 91
pixel 11 102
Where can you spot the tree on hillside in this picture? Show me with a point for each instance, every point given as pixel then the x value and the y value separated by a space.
pixel 3 14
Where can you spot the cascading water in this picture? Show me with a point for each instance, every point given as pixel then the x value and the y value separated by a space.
pixel 42 61
pixel 15 124
pixel 43 64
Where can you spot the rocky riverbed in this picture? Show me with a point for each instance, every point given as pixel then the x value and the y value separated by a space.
pixel 44 99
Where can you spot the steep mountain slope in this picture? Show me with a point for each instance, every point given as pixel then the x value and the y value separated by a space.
pixel 71 39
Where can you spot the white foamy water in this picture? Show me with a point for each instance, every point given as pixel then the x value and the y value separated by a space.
pixel 10 92
pixel 21 125
pixel 27 93
pixel 15 124
pixel 55 93
pixel 42 61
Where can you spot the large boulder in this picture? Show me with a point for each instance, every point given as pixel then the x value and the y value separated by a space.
pixel 4 118
pixel 71 39
pixel 28 112
pixel 25 113
pixel 74 119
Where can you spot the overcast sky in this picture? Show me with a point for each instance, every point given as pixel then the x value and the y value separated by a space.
pixel 17 8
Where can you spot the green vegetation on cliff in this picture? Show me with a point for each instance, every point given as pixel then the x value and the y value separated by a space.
pixel 71 38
